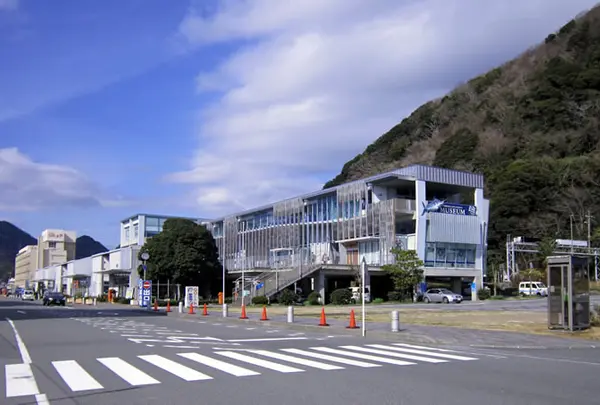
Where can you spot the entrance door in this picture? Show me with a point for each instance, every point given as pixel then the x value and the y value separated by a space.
pixel 352 256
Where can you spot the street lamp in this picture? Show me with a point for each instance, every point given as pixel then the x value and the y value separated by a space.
pixel 240 223
pixel 223 256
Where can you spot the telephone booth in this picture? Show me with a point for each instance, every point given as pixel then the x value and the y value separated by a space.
pixel 568 292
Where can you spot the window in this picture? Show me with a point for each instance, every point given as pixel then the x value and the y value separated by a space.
pixel 52 245
pixel 136 231
pixel 152 225
pixel 439 254
pixel 127 234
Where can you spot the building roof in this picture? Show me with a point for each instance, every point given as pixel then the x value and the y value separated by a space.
pixel 163 217
pixel 430 174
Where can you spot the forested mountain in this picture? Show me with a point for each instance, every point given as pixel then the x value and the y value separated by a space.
pixel 531 126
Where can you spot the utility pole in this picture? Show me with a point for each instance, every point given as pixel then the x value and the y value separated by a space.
pixel 589 228
pixel 571 222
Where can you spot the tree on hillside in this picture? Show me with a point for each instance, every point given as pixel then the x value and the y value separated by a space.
pixel 406 272
pixel 184 253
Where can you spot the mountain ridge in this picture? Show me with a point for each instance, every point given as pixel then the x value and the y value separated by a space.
pixel 531 126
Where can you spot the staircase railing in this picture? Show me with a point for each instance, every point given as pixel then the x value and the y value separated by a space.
pixel 276 281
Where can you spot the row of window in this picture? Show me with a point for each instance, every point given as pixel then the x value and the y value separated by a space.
pixel 441 254
pixel 322 209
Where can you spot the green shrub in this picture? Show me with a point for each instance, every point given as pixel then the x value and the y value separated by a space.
pixel 483 294
pixel 595 316
pixel 260 300
pixel 378 301
pixel 122 300
pixel 287 297
pixel 314 298
pixel 341 296
pixel 394 296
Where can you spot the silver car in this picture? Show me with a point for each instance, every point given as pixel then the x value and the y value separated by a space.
pixel 441 295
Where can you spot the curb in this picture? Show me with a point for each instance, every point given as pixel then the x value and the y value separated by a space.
pixel 519 347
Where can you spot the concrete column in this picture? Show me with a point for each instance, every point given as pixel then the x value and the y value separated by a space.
pixel 457 285
pixel 478 284
pixel 420 220
pixel 320 285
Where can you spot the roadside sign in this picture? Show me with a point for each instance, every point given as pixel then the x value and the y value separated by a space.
pixel 146 293
pixel 191 296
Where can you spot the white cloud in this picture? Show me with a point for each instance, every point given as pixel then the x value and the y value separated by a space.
pixel 9 5
pixel 29 186
pixel 314 82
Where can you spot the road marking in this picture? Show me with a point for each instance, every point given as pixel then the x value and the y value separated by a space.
pixel 442 355
pixel 219 365
pixel 267 339
pixel 335 359
pixel 261 363
pixel 75 376
pixel 250 328
pixel 127 372
pixel 20 380
pixel 424 347
pixel 22 348
pixel 387 352
pixel 363 356
pixel 296 360
pixel 136 335
pixel 232 326
pixel 181 371
pixel 22 312
pixel 42 399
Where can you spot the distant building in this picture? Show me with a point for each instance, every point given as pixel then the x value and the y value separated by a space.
pixel 137 228
pixel 26 263
pixel 56 246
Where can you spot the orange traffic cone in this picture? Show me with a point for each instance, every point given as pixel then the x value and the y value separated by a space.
pixel 191 309
pixel 264 314
pixel 352 321
pixel 205 310
pixel 243 315
pixel 155 305
pixel 323 319
pixel 169 306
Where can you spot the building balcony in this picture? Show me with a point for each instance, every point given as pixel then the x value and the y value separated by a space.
pixel 404 206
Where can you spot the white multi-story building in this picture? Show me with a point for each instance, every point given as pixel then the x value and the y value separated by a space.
pixel 318 237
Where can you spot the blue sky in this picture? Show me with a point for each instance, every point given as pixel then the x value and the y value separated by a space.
pixel 203 108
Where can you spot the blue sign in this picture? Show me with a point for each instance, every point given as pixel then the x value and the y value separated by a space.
pixel 444 207
pixel 140 286
pixel 146 293
pixel 260 285
pixel 473 287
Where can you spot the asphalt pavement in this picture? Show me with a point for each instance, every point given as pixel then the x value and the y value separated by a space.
pixel 104 355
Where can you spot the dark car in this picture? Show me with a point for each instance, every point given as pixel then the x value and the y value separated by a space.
pixel 54 298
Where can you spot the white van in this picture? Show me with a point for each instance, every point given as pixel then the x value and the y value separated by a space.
pixel 533 288
pixel 356 293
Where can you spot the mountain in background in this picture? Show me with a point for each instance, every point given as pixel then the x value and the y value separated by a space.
pixel 12 239
pixel 86 246
pixel 531 126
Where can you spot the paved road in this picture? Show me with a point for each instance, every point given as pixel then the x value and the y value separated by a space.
pixel 81 356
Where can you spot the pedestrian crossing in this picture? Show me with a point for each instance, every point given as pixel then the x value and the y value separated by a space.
pixel 152 369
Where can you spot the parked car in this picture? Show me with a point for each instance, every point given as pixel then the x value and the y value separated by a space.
pixel 54 298
pixel 533 288
pixel 28 295
pixel 441 295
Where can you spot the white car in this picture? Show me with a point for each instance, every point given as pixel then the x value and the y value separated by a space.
pixel 533 288
pixel 27 295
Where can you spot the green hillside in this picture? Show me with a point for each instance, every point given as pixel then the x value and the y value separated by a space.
pixel 531 126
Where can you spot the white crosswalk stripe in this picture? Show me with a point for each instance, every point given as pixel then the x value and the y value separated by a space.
pixel 191 366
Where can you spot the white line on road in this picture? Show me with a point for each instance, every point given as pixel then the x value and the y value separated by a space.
pixel 22 348
pixel 261 363
pixel 127 372
pixel 22 312
pixel 363 356
pixel 42 399
pixel 296 360
pixel 332 358
pixel 267 339
pixel 181 371
pixel 75 376
pixel 20 380
pixel 219 365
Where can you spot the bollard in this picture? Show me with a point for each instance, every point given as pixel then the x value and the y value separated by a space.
pixel 290 314
pixel 395 321
pixel 94 302
pixel 225 311
pixel 181 307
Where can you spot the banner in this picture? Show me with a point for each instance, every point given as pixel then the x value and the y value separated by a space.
pixel 191 296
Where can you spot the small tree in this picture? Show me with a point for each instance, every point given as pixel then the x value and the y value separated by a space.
pixel 406 272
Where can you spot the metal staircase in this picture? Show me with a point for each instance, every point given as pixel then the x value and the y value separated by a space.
pixel 275 281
